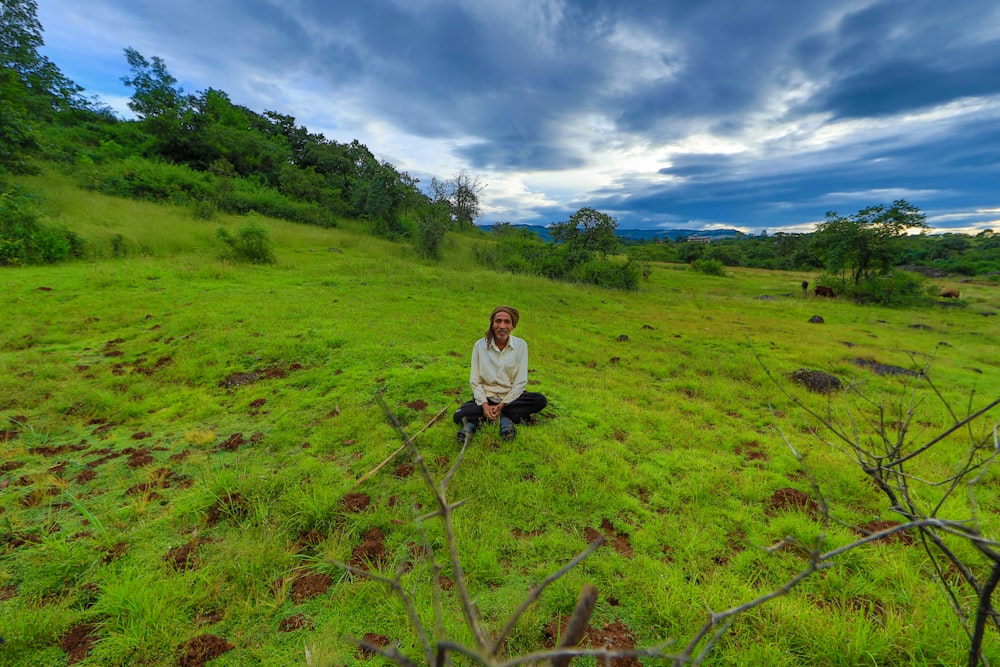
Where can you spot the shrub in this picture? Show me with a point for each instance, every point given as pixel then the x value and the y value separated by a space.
pixel 653 252
pixel 709 267
pixel 896 288
pixel 24 240
pixel 605 273
pixel 432 225
pixel 251 244
pixel 150 180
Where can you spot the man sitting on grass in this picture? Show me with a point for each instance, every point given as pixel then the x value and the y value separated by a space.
pixel 498 378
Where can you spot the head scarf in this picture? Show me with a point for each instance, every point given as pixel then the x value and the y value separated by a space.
pixel 514 317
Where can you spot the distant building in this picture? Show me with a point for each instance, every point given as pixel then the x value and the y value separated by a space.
pixel 699 239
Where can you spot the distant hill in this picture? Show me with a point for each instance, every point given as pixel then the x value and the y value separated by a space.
pixel 645 234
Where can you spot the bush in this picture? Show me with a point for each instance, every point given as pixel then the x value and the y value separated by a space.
pixel 653 252
pixel 896 288
pixel 139 178
pixel 24 240
pixel 432 225
pixel 709 267
pixel 604 273
pixel 251 244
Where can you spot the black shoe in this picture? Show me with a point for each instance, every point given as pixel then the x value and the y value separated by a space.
pixel 467 431
pixel 507 430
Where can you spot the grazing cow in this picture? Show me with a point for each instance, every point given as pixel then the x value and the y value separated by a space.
pixel 805 286
pixel 949 293
pixel 820 290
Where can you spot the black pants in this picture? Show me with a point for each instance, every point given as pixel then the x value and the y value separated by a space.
pixel 527 404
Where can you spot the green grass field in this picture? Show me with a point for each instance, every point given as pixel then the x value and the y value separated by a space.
pixel 180 439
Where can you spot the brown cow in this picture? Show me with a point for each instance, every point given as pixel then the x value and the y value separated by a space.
pixel 949 293
pixel 820 290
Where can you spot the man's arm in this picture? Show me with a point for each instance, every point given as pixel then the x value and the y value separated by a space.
pixel 520 377
pixel 476 378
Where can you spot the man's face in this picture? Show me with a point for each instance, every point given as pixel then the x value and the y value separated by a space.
pixel 502 325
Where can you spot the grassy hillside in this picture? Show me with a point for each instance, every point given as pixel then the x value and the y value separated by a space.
pixel 182 439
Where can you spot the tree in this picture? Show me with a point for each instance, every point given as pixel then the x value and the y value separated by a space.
pixel 462 192
pixel 31 86
pixel 156 93
pixel 865 244
pixel 589 230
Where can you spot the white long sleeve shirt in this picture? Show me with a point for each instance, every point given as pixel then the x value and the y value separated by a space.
pixel 499 373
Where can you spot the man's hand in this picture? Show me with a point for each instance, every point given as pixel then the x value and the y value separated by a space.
pixel 492 412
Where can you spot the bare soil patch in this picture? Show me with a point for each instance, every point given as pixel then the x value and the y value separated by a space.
pixel 233 442
pixel 614 636
pixel 77 642
pixel 355 502
pixel 370 552
pixel 789 499
pixel 231 506
pixel 618 539
pixel 884 369
pixel 295 622
pixel 138 458
pixel 418 405
pixel 872 527
pixel 197 651
pixel 751 451
pixel 310 585
pixel 372 639
pixel 403 470
pixel 184 557
pixel 817 381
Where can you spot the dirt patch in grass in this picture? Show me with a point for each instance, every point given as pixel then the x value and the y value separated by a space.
pixel 355 502
pixel 56 451
pixel 138 458
pixel 7 592
pixel 884 369
pixel 372 639
pixel 232 443
pixel 233 505
pixel 209 617
pixel 370 552
pixel 310 585
pixel 239 379
pixel 417 405
pixel 524 534
pixel 87 475
pixel 872 527
pixel 817 381
pixel 618 539
pixel 403 470
pixel 614 636
pixel 789 499
pixel 184 557
pixel 77 642
pixel 751 452
pixel 197 651
pixel 295 622
pixel 6 436
pixel 114 552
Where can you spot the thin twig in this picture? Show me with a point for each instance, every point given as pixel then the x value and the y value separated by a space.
pixel 364 478
pixel 537 592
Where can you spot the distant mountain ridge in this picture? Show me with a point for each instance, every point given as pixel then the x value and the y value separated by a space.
pixel 645 234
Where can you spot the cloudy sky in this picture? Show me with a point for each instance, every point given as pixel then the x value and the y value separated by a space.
pixel 700 114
